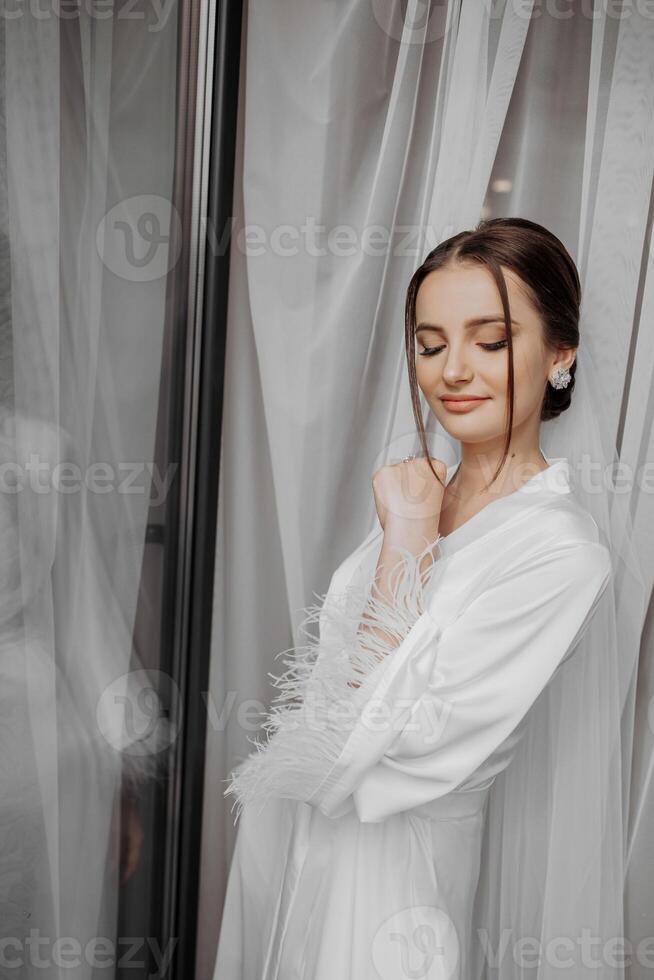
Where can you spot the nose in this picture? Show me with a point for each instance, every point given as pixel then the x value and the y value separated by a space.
pixel 456 369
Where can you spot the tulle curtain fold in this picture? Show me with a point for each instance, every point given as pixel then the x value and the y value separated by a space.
pixel 81 354
pixel 415 120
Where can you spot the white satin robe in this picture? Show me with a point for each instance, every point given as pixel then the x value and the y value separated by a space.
pixel 364 862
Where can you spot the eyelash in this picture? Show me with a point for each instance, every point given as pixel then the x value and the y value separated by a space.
pixel 430 351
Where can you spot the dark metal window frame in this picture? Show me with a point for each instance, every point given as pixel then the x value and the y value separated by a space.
pixel 195 435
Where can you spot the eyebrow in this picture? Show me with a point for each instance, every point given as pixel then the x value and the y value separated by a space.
pixel 475 322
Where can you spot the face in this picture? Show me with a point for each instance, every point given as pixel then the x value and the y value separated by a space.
pixel 461 349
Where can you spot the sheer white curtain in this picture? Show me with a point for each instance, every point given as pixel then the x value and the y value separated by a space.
pixel 81 345
pixel 393 126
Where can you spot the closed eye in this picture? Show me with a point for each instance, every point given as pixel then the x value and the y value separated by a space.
pixel 430 351
pixel 498 345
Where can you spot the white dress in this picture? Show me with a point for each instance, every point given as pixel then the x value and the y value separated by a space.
pixel 358 845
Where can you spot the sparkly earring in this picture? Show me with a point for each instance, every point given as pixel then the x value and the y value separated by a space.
pixel 561 378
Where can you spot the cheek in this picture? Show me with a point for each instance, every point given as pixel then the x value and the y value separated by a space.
pixel 528 378
pixel 427 371
pixel 528 371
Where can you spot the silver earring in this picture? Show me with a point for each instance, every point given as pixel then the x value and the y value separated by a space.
pixel 561 378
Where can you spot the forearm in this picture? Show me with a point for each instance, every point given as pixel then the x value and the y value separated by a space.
pixel 394 596
pixel 411 536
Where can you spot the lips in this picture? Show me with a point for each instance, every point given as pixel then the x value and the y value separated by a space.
pixel 463 398
pixel 457 406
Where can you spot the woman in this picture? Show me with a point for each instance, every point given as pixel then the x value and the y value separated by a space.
pixel 432 773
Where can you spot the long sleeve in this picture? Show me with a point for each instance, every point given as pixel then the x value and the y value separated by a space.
pixel 334 682
pixel 491 664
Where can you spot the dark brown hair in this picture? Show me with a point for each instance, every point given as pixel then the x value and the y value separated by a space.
pixel 551 279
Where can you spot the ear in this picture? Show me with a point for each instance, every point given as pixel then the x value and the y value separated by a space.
pixel 564 358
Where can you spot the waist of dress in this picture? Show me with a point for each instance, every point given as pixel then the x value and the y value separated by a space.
pixel 455 804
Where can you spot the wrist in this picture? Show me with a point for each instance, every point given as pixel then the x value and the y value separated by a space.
pixel 410 533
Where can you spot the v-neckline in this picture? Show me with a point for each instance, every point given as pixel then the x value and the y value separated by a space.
pixel 495 514
pixel 507 499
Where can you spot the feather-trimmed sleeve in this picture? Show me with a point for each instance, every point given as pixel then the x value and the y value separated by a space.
pixel 344 679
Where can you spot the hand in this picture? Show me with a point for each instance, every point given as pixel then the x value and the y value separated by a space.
pixel 409 492
pixel 126 836
pixel 408 499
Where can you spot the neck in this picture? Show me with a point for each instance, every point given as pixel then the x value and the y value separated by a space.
pixel 480 461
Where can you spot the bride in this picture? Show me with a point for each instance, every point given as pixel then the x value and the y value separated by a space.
pixel 439 792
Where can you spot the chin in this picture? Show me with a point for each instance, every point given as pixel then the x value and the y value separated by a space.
pixel 465 430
